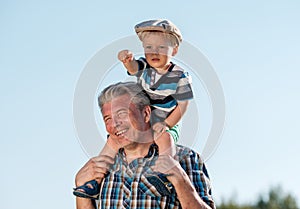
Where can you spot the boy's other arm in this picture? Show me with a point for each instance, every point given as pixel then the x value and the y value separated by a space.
pixel 126 57
pixel 177 113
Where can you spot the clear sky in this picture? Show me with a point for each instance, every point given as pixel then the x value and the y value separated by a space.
pixel 45 45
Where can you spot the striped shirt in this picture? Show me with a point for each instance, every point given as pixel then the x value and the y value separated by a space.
pixel 165 91
pixel 127 187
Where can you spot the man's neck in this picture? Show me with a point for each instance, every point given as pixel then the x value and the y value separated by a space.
pixel 137 150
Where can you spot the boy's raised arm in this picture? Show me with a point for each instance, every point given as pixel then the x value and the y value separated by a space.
pixel 126 57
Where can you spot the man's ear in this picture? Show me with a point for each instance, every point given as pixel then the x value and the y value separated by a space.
pixel 147 114
pixel 175 50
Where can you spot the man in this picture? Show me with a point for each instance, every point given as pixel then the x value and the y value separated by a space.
pixel 134 179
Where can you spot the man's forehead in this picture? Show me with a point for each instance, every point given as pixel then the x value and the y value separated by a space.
pixel 119 102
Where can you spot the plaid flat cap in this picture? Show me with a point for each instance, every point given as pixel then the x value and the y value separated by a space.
pixel 165 26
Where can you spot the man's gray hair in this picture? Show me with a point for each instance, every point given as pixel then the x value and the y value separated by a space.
pixel 138 96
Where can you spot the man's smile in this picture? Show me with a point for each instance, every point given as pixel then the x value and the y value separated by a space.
pixel 121 132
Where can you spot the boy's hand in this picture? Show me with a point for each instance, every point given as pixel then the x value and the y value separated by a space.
pixel 125 56
pixel 160 127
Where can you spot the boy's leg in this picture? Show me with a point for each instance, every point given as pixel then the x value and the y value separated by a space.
pixel 165 143
pixel 91 188
pixel 110 148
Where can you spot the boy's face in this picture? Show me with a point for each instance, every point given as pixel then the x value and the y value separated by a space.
pixel 158 50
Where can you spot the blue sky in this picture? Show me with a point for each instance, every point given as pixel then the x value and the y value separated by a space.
pixel 44 47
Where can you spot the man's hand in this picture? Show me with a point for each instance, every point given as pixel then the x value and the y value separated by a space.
pixel 95 168
pixel 186 192
pixel 168 165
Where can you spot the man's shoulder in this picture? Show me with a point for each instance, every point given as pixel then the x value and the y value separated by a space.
pixel 183 152
pixel 184 149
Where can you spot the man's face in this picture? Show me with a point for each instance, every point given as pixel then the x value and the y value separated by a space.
pixel 124 121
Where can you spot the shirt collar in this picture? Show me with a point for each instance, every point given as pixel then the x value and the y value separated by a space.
pixel 153 151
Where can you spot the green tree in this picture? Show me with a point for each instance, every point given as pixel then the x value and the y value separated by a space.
pixel 276 198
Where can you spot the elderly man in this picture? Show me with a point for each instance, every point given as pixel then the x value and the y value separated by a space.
pixel 138 177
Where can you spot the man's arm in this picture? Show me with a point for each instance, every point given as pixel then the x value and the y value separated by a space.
pixel 85 203
pixel 190 195
pixel 186 192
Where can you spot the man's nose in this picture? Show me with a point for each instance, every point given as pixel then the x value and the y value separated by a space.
pixel 116 121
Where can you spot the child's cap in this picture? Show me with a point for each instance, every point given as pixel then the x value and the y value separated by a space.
pixel 165 26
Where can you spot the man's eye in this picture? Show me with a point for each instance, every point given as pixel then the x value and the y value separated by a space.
pixel 162 47
pixel 122 114
pixel 148 47
pixel 107 120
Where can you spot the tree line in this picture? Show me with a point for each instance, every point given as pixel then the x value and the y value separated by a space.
pixel 274 199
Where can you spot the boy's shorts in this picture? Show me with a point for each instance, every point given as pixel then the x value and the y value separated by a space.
pixel 175 132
